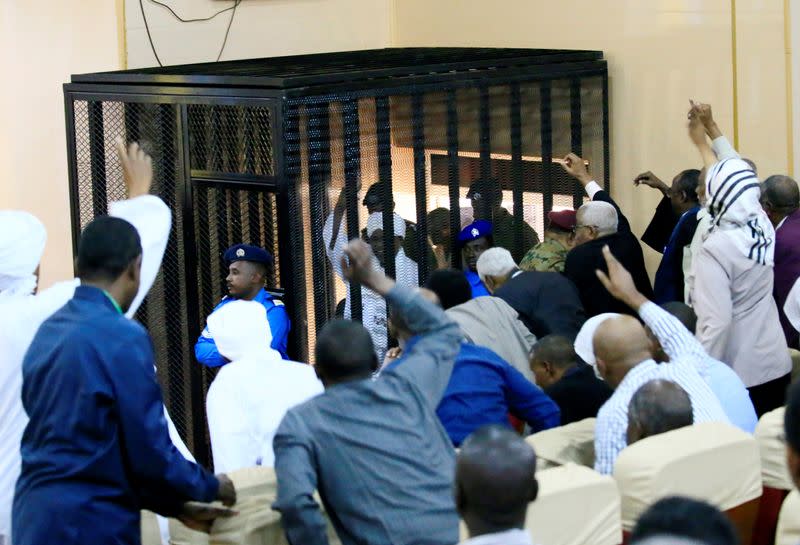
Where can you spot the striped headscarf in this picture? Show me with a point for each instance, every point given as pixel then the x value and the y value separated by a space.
pixel 732 199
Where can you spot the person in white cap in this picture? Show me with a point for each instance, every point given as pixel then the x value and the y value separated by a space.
pixel 251 394
pixel 22 241
pixel 373 308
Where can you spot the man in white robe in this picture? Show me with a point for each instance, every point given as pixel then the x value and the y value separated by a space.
pixel 22 240
pixel 251 394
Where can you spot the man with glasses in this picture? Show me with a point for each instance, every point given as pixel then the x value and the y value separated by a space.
pixel 600 223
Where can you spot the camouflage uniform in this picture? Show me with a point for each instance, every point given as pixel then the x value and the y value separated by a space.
pixel 547 256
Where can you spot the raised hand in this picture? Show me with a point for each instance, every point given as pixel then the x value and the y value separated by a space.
pixel 702 112
pixel 619 281
pixel 137 168
pixel 651 180
pixel 359 265
pixel 576 167
pixel 200 516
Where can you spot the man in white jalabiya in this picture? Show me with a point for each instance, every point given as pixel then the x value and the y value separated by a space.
pixel 373 314
pixel 22 241
pixel 251 394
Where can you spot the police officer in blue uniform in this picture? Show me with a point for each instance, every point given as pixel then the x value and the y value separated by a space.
pixel 247 272
pixel 474 239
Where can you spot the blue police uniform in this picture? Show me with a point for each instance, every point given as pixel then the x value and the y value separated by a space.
pixel 205 350
pixel 96 450
pixel 474 231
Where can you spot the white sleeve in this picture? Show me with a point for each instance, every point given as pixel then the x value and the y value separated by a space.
pixel 335 254
pixel 592 188
pixel 227 428
pixel 153 220
pixel 723 149
pixel 792 306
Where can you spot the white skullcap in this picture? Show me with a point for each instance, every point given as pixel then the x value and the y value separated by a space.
pixel 375 222
pixel 584 342
pixel 241 329
pixel 22 240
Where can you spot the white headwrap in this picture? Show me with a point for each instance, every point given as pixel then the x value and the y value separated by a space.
pixel 584 342
pixel 22 240
pixel 375 222
pixel 241 330
pixel 732 199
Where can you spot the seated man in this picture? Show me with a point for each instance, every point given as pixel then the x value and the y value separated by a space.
pixel 374 449
pixel 687 518
pixel 624 359
pixel 600 223
pixel 657 407
pixel 671 230
pixel 373 307
pixel 550 255
pixel 721 378
pixel 247 272
pixel 483 388
pixel 484 321
pixel 495 481
pixel 249 396
pixel 566 380
pixel 474 239
pixel 547 302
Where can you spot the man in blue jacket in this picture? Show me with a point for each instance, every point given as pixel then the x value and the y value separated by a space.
pixel 247 271
pixel 96 450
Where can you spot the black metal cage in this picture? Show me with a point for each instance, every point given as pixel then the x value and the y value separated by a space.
pixel 258 151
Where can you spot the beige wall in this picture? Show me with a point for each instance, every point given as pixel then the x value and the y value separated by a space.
pixel 261 28
pixel 660 54
pixel 43 43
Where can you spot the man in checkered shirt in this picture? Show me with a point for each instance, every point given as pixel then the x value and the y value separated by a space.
pixel 624 360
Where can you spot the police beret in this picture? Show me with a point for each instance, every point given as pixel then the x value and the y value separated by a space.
pixel 565 219
pixel 247 252
pixel 475 230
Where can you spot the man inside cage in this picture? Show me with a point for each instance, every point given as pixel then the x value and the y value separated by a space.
pixel 247 272
pixel 373 306
pixel 487 204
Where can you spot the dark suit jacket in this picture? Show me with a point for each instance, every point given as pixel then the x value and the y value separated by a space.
pixel 787 270
pixel 547 302
pixel 579 394
pixel 583 260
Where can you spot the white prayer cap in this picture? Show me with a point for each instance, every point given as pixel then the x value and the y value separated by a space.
pixel 241 329
pixel 584 342
pixel 375 222
pixel 22 240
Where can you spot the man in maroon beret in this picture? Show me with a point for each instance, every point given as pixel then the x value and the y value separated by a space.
pixel 549 256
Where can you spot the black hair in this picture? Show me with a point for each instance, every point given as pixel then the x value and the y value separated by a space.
pixel 107 247
pixel 791 418
pixel 659 406
pixel 686 182
pixel 555 349
pixel 345 349
pixel 685 517
pixel 684 313
pixel 451 286
pixel 782 193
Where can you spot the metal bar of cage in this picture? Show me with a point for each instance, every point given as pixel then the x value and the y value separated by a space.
pixel 515 113
pixel 545 109
pixel 420 185
pixel 453 176
pixel 352 175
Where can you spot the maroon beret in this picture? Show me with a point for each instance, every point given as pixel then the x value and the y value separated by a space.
pixel 565 219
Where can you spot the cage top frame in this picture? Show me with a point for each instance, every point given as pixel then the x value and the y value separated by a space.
pixel 377 67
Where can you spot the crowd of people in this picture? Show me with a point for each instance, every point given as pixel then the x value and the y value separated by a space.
pixel 413 417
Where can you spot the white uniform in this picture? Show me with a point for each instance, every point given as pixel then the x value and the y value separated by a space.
pixel 373 313
pixel 251 394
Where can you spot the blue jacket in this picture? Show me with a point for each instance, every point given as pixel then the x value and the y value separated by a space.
pixel 483 390
pixel 96 450
pixel 205 350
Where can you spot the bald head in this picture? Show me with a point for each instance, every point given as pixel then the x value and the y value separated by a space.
pixel 619 345
pixel 780 197
pixel 495 480
pixel 657 407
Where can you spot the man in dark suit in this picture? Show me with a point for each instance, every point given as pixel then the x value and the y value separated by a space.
pixel 566 380
pixel 780 199
pixel 546 301
pixel 601 223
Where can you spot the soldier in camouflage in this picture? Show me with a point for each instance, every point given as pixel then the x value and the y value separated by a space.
pixel 550 255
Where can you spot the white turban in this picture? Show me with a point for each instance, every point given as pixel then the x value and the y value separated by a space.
pixel 375 222
pixel 22 240
pixel 584 342
pixel 240 329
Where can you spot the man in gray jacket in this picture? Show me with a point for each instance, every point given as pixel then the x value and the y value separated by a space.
pixel 374 449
